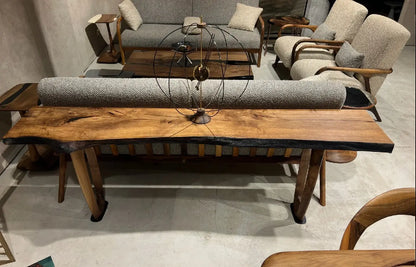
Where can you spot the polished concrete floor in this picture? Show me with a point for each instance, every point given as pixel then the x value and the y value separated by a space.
pixel 192 214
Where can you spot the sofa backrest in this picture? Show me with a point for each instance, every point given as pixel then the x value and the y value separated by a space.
pixel 174 11
pixel 218 11
pixel 145 92
pixel 164 11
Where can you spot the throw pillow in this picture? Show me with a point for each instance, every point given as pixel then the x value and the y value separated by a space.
pixel 348 57
pixel 130 14
pixel 323 32
pixel 188 29
pixel 245 17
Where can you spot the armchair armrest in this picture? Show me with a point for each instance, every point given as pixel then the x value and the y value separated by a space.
pixel 366 73
pixel 311 27
pixel 260 27
pixel 296 54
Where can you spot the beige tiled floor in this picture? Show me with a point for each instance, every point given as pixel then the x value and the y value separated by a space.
pixel 202 215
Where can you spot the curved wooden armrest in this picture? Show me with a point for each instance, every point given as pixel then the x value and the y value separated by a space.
pixel 311 27
pixel 260 27
pixel 300 50
pixel 295 57
pixel 394 202
pixel 364 72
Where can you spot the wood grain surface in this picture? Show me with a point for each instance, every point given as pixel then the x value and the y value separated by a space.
pixel 70 129
pixel 141 63
pixel 21 97
pixel 331 258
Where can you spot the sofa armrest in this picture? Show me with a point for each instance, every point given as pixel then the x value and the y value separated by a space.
pixel 311 27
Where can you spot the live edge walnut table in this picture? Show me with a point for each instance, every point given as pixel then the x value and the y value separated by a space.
pixel 76 130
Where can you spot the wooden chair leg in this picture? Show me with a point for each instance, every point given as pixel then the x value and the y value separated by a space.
pixel 62 177
pixel 375 112
pixel 322 182
pixel 259 58
pixel 6 249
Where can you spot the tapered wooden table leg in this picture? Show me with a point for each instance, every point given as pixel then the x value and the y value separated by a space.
pixel 83 176
pixel 322 182
pixel 97 180
pixel 62 177
pixel 304 191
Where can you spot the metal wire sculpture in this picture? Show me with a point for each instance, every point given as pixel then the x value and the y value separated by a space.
pixel 202 111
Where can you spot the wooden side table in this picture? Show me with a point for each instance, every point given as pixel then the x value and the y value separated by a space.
pixel 283 20
pixel 111 56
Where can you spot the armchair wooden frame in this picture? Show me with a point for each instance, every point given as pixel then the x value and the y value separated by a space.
pixel 125 50
pixel 286 26
pixel 395 202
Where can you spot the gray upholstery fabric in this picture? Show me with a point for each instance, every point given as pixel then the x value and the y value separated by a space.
pixel 164 11
pixel 381 40
pixel 347 56
pixel 283 49
pixel 95 92
pixel 218 11
pixel 323 32
pixel 345 18
pixel 150 35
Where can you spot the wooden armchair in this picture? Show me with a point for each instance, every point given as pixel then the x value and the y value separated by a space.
pixel 395 202
pixel 380 49
pixel 345 18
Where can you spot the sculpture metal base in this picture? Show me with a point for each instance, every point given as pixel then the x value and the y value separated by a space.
pixel 200 117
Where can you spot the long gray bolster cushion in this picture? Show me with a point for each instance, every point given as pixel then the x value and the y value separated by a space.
pixel 147 92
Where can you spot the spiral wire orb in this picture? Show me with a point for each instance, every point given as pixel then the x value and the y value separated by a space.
pixel 213 105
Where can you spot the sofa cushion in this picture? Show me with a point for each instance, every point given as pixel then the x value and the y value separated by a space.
pixel 164 11
pixel 145 92
pixel 245 17
pixel 284 45
pixel 188 29
pixel 130 14
pixel 348 57
pixel 218 11
pixel 151 35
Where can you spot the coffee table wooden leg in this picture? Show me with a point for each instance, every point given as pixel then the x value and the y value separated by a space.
pixel 83 176
pixel 303 193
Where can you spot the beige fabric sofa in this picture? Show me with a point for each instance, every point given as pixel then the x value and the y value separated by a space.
pixel 164 17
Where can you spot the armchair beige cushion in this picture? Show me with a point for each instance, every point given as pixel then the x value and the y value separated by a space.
pixel 345 18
